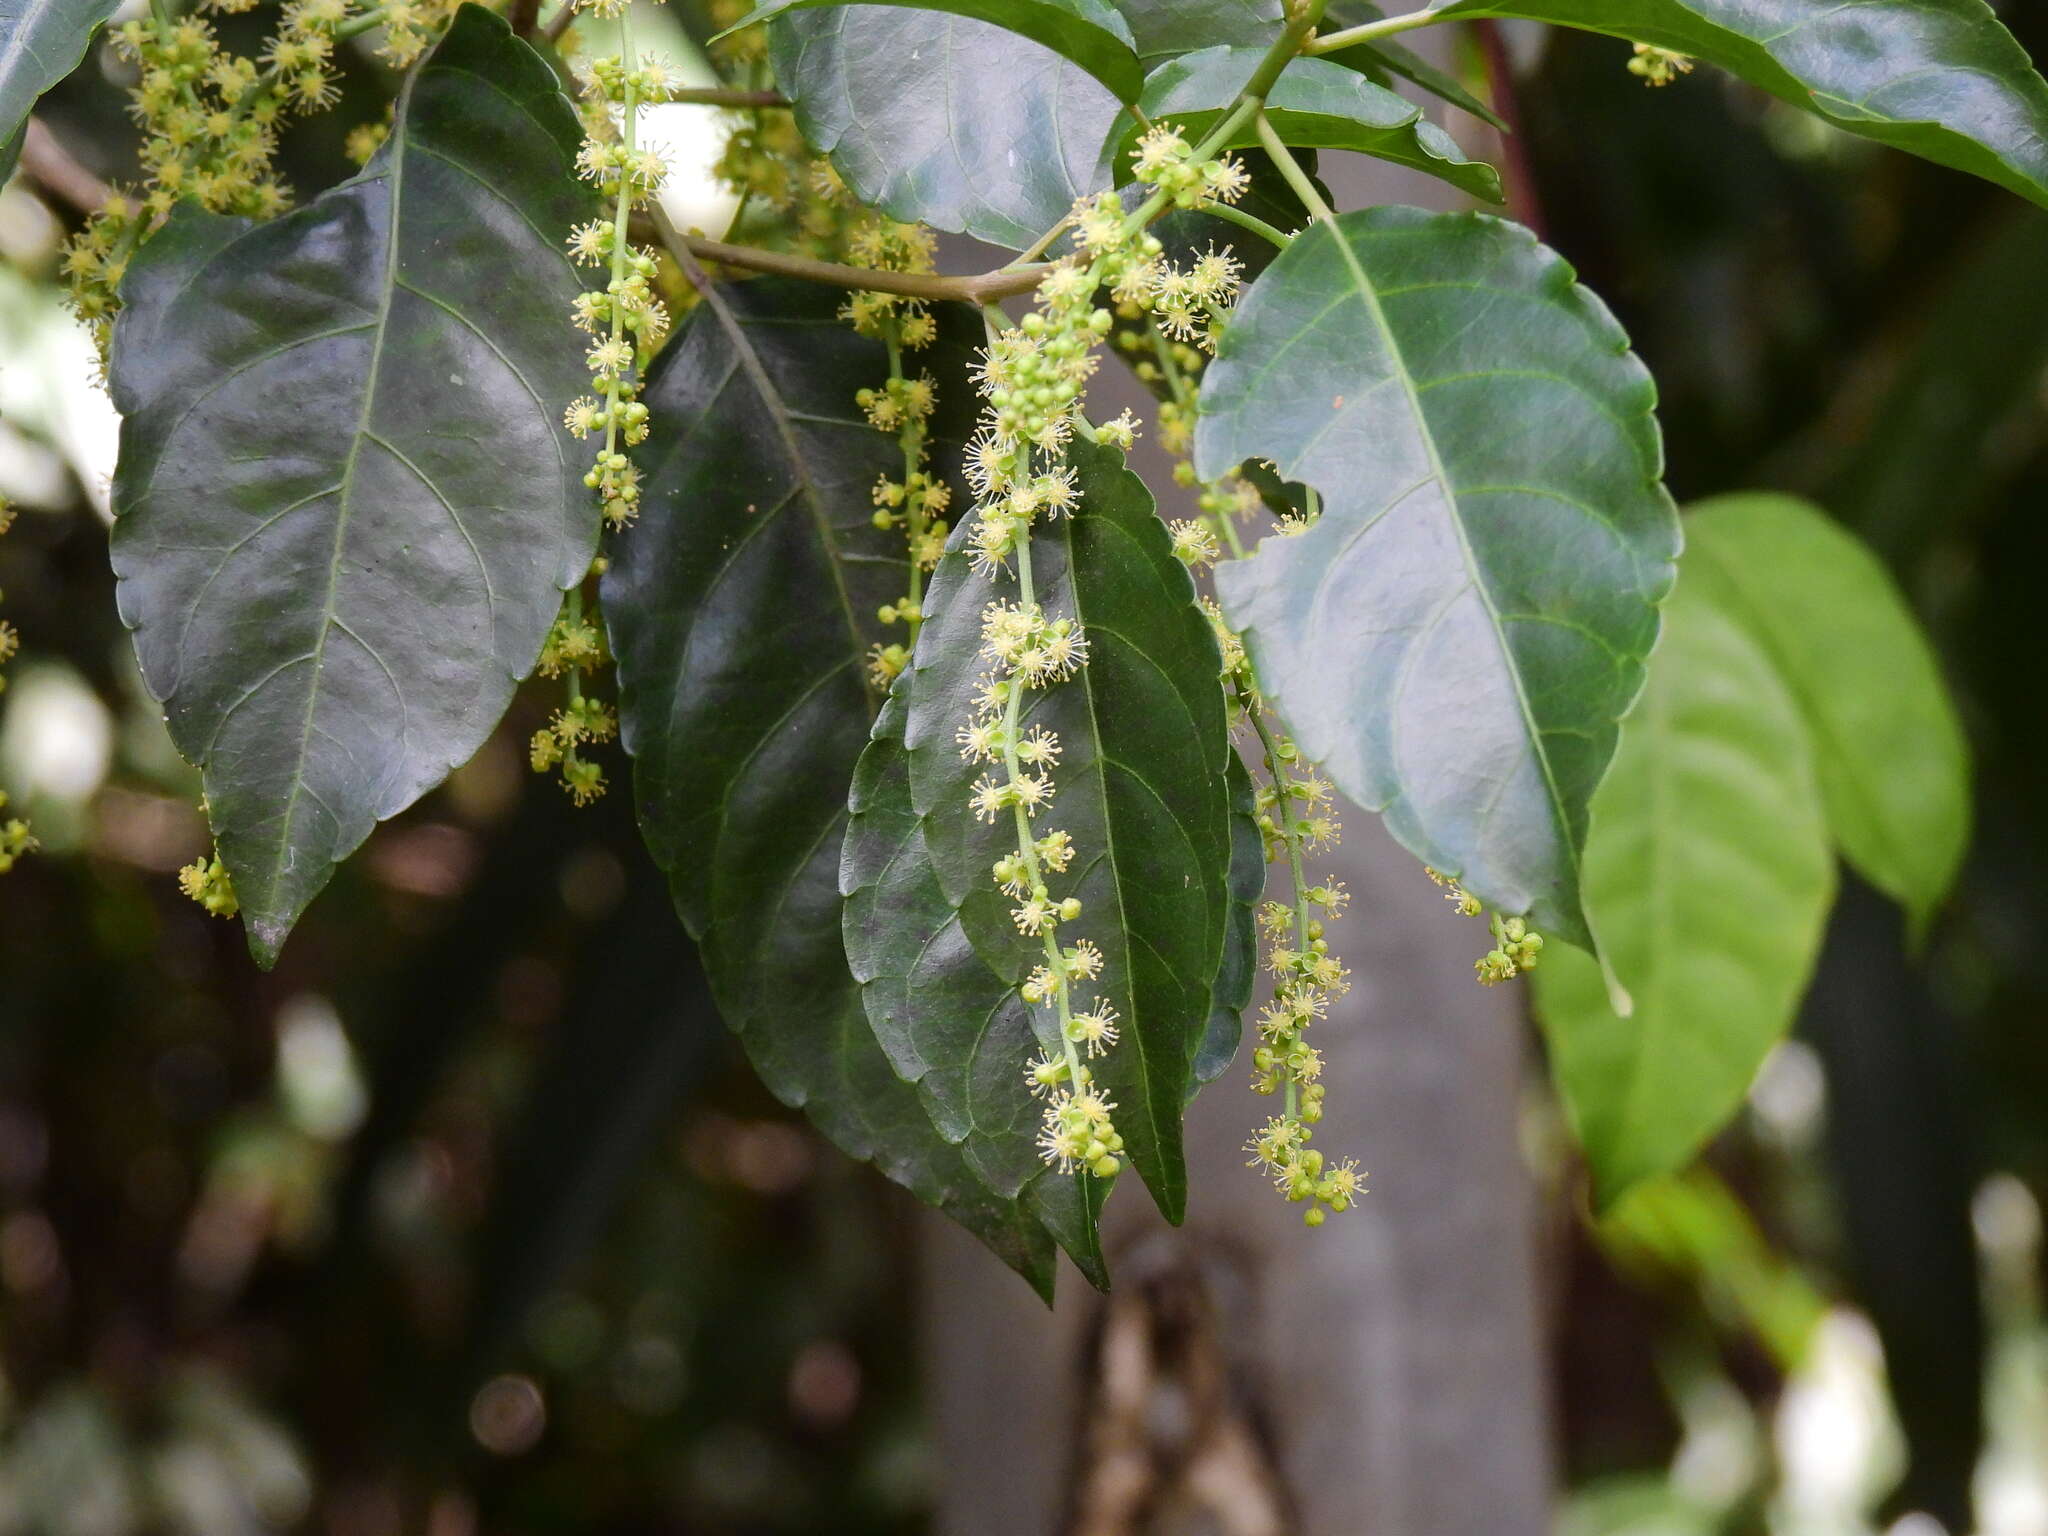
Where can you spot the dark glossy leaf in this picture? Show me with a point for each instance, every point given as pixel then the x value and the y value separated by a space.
pixel 1239 971
pixel 1087 33
pixel 741 608
pixel 346 505
pixel 41 41
pixel 947 1021
pixel 1457 637
pixel 1315 103
pixel 944 119
pixel 1894 767
pixel 1941 78
pixel 1709 877
pixel 1143 788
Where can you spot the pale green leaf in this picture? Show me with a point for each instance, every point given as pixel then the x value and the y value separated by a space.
pixel 1894 767
pixel 1709 877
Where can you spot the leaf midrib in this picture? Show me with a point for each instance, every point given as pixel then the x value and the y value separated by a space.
pixel 1472 566
pixel 344 507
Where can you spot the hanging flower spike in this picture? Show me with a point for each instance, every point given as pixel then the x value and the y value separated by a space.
pixel 1516 946
pixel 210 121
pixel 1033 377
pixel 626 322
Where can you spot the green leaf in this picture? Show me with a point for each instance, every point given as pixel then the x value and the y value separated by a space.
pixel 347 508
pixel 946 120
pixel 745 712
pixel 1457 637
pixel 1894 768
pixel 1709 877
pixel 1144 789
pixel 1162 28
pixel 1313 103
pixel 947 1021
pixel 1088 33
pixel 41 41
pixel 1941 78
pixel 1383 57
pixel 1238 974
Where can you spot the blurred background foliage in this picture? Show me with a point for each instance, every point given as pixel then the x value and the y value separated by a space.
pixel 469 1218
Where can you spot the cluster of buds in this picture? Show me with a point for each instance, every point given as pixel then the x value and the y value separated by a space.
pixel 918 500
pixel 1658 66
pixel 15 838
pixel 575 647
pixel 1296 813
pixel 210 121
pixel 582 720
pixel 1516 946
pixel 1032 377
pixel 207 882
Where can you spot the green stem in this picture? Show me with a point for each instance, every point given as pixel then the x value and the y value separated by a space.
pixel 1365 33
pixel 1256 225
pixel 1292 40
pixel 1290 170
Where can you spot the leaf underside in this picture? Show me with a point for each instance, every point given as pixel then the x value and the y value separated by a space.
pixel 745 713
pixel 346 505
pixel 1941 78
pixel 1458 635
pixel 41 41
pixel 945 119
pixel 1709 877
pixel 1144 789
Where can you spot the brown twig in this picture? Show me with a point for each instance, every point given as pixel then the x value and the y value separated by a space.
pixel 524 16
pixel 52 167
pixel 982 288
